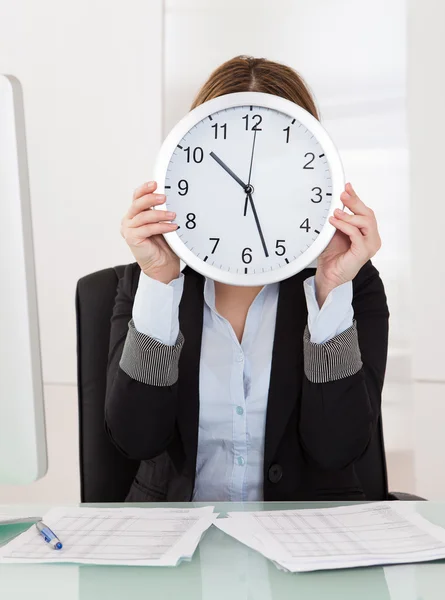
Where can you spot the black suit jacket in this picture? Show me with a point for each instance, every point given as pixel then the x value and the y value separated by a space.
pixel 314 431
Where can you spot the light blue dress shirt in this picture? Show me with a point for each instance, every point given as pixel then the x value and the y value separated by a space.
pixel 234 377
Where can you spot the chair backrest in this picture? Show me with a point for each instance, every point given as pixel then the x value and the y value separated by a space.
pixel 105 474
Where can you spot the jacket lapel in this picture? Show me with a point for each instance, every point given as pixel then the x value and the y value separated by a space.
pixel 287 361
pixel 191 312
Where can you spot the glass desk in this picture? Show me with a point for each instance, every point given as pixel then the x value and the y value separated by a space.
pixel 221 568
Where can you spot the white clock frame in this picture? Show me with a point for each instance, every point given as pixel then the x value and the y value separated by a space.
pixel 294 111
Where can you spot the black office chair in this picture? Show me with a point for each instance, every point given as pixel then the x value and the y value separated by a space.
pixel 105 474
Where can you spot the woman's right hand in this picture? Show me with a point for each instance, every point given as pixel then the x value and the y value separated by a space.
pixel 142 229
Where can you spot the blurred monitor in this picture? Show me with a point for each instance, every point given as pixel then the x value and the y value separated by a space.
pixel 23 456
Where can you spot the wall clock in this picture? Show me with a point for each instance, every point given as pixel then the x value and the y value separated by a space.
pixel 253 179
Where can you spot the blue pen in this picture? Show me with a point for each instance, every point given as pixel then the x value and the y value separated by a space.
pixel 49 536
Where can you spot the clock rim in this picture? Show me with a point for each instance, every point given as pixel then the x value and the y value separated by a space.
pixel 262 100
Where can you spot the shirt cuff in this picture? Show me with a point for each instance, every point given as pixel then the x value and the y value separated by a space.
pixel 156 308
pixel 148 361
pixel 334 317
pixel 337 359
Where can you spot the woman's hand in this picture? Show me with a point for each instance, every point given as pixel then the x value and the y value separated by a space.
pixel 354 243
pixel 142 229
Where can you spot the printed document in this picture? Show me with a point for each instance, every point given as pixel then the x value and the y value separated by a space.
pixel 114 536
pixel 334 538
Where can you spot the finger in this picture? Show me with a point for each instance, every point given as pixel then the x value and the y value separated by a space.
pixel 353 202
pixel 151 216
pixel 354 233
pixel 136 236
pixel 365 224
pixel 146 188
pixel 144 203
pixel 349 188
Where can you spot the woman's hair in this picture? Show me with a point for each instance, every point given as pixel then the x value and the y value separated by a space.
pixel 248 74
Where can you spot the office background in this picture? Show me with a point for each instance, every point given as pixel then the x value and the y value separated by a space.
pixel 103 83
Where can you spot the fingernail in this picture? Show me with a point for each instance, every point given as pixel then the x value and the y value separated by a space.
pixel 171 215
pixel 339 212
pixel 159 197
pixel 150 183
pixel 173 225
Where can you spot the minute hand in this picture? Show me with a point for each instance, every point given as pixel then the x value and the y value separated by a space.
pixel 257 221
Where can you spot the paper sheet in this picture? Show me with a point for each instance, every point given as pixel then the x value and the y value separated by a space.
pixel 114 536
pixel 9 519
pixel 349 536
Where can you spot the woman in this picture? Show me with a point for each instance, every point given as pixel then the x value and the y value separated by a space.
pixel 239 394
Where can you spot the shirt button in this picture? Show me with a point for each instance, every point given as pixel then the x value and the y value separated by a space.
pixel 240 358
pixel 240 461
pixel 240 410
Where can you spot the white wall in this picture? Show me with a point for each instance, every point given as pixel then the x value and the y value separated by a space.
pixel 426 99
pixel 91 77
pixel 426 122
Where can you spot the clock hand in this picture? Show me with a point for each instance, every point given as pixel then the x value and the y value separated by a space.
pixel 252 204
pixel 249 187
pixel 229 171
pixel 257 221
pixel 251 157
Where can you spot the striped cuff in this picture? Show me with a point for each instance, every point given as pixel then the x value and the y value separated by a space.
pixel 336 359
pixel 148 361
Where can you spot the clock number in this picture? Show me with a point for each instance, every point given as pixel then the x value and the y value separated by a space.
pixel 198 154
pixel 246 256
pixel 280 247
pixel 216 245
pixel 191 223
pixel 183 187
pixel 305 225
pixel 254 127
pixel 217 127
pixel 320 198
pixel 259 120
pixel 306 166
pixel 287 130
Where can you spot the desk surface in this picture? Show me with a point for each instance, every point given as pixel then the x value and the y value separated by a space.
pixel 221 569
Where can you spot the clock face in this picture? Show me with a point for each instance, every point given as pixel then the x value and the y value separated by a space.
pixel 252 188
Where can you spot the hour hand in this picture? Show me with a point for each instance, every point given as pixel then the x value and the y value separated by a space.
pixel 229 171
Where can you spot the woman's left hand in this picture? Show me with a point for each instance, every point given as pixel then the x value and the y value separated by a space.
pixel 356 241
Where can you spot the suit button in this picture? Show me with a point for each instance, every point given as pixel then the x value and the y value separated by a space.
pixel 275 473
